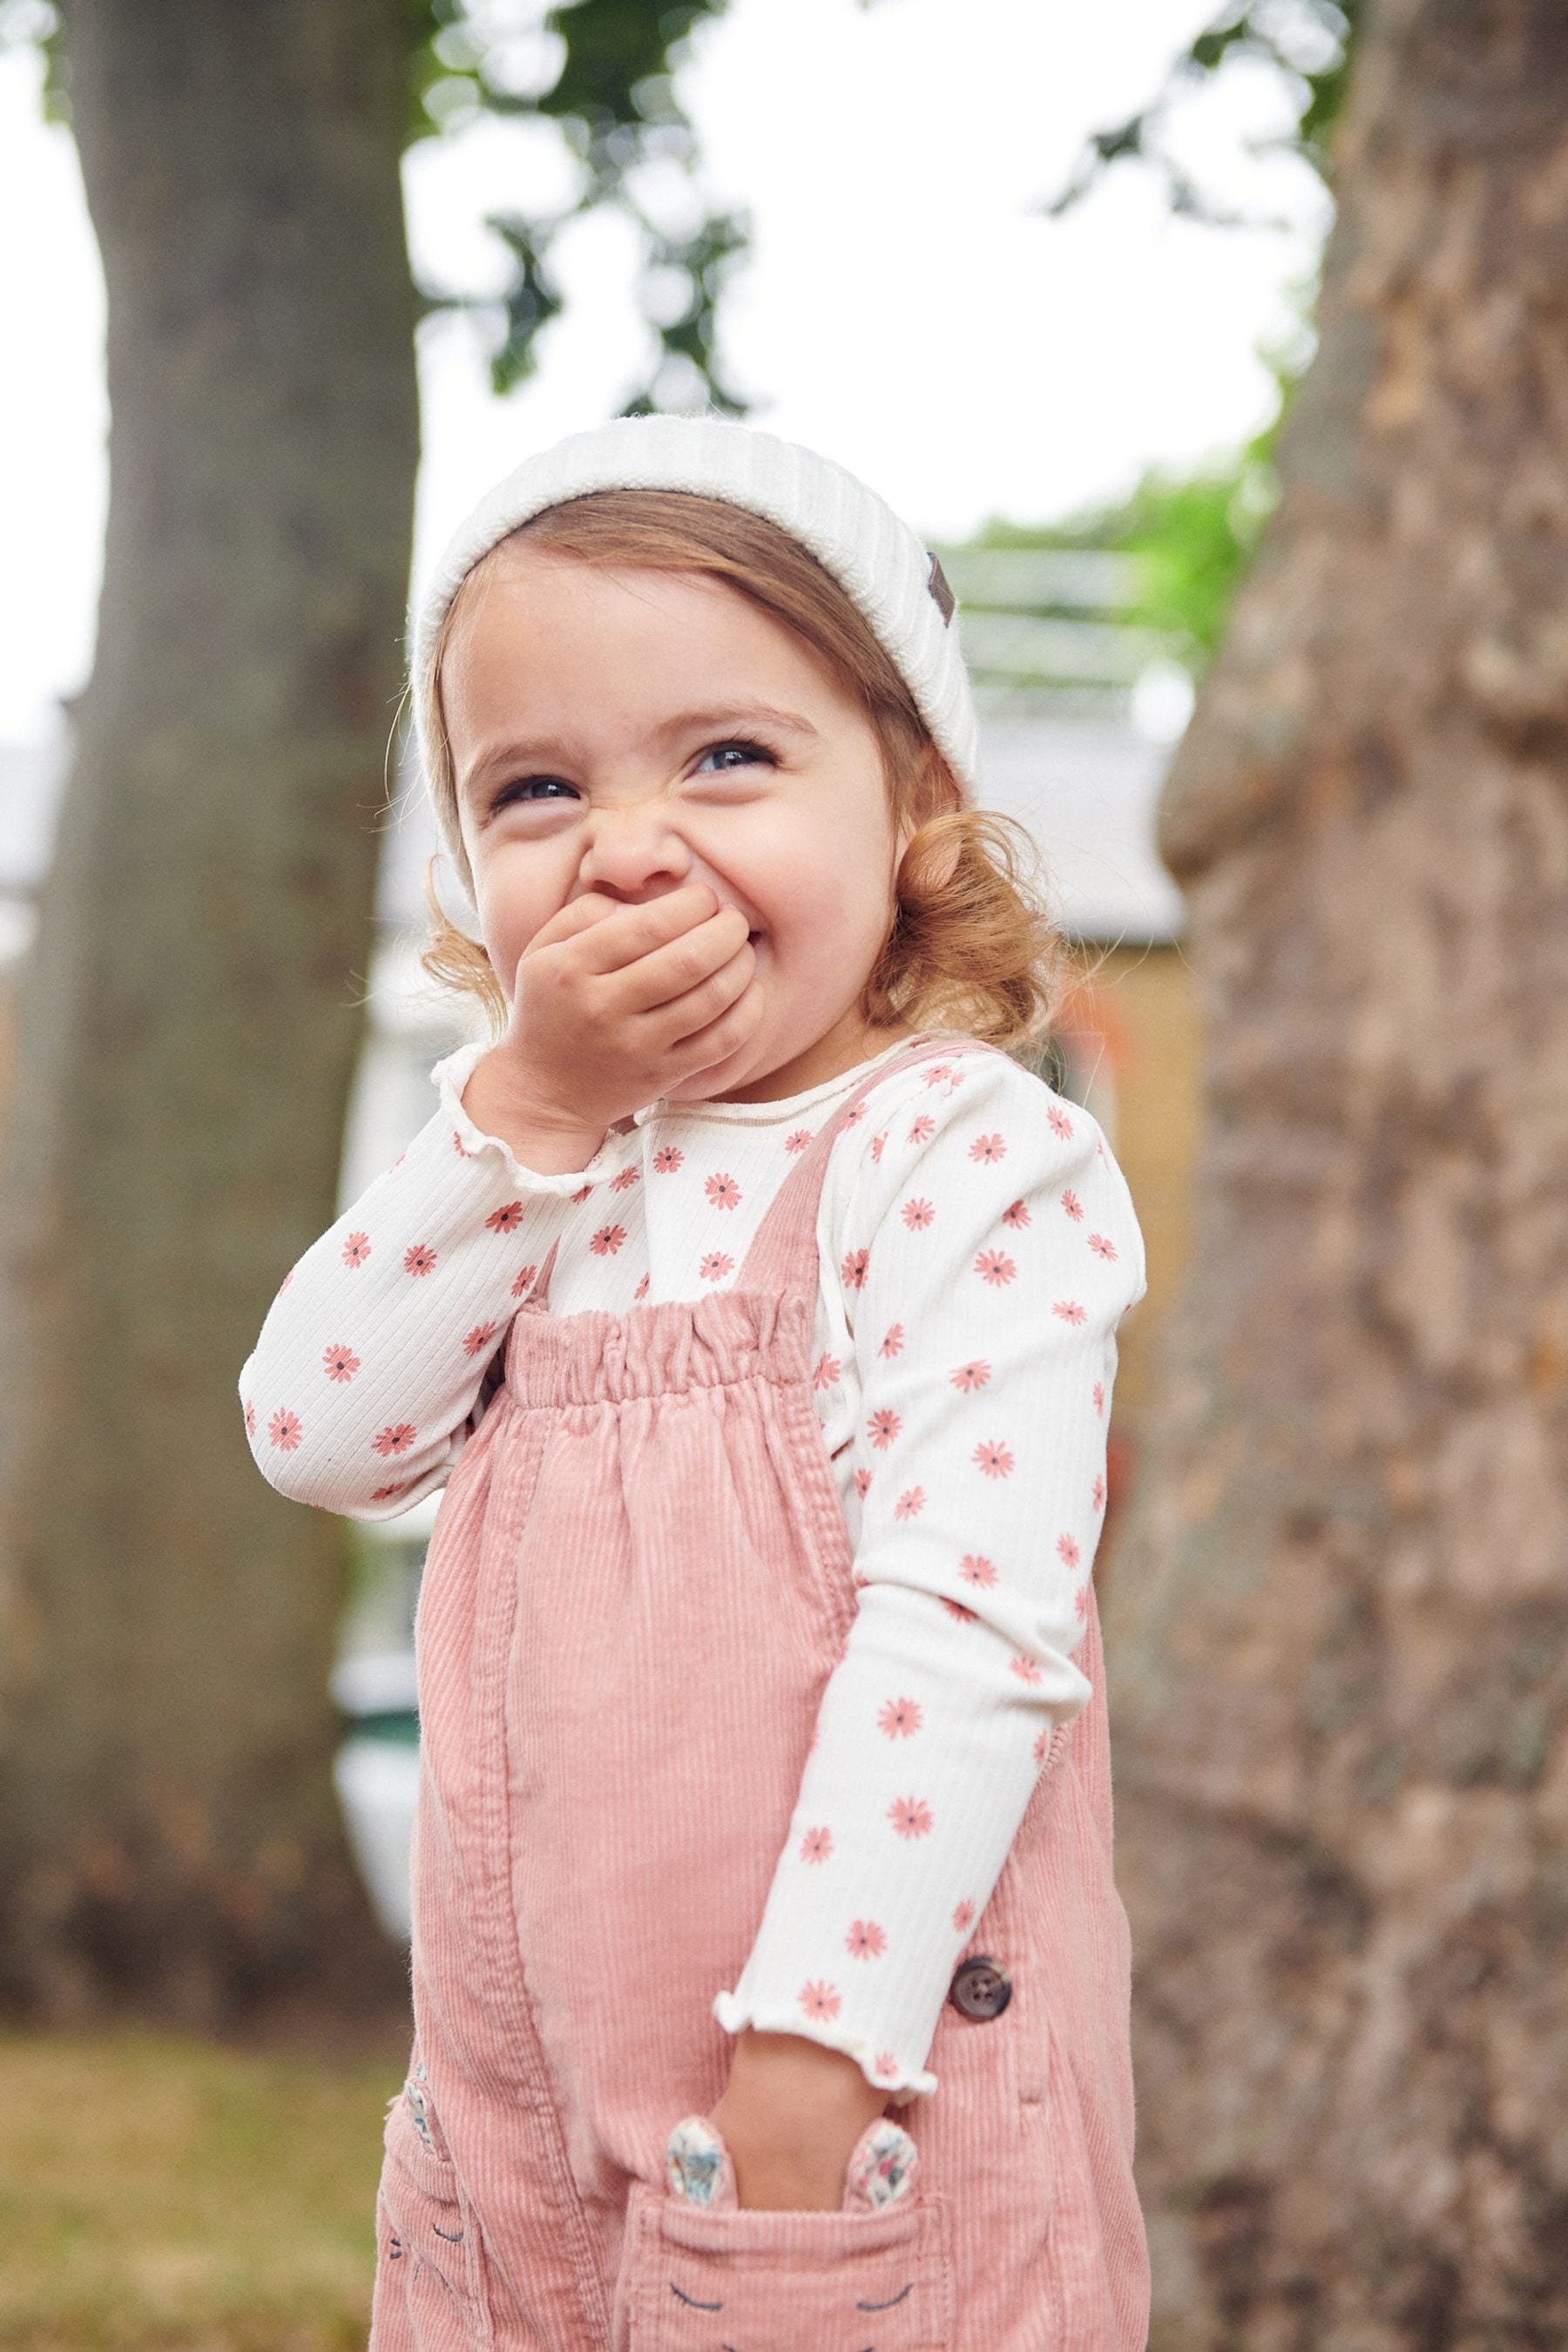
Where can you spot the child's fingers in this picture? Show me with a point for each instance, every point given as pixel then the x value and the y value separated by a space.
pixel 631 932
pixel 666 974
pixel 710 1019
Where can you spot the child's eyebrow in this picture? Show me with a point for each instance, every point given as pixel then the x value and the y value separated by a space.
pixel 718 716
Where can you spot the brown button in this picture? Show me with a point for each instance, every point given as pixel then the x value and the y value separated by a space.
pixel 980 1988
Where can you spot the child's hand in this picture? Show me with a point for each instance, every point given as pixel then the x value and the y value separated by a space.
pixel 790 2116
pixel 613 1004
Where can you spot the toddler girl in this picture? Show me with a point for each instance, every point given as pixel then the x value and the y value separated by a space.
pixel 756 1310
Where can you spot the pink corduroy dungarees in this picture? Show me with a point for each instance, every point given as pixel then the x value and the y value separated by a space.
pixel 640 1582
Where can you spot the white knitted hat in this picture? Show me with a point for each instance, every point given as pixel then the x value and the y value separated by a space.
pixel 877 561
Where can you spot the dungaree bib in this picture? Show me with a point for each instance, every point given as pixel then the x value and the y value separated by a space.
pixel 640 1580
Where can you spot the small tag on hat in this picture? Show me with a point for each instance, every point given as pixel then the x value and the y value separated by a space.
pixel 936 581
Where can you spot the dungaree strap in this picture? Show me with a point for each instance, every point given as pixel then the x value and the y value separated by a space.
pixel 783 1255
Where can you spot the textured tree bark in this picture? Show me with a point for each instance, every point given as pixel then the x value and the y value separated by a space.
pixel 168 1838
pixel 1338 1628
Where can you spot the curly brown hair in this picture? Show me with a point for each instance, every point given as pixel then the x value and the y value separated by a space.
pixel 975 945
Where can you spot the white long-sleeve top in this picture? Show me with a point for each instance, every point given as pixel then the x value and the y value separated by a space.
pixel 977 1248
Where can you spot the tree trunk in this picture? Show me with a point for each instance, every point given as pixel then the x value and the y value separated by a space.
pixel 169 1839
pixel 1339 1624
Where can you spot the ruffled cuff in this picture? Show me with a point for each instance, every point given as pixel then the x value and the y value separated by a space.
pixel 885 2070
pixel 451 1075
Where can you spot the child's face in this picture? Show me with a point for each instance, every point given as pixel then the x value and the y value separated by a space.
pixel 608 733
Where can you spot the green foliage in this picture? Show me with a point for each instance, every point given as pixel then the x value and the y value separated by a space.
pixel 1192 533
pixel 604 73
pixel 1309 43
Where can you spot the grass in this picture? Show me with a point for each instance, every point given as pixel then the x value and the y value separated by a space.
pixel 160 2194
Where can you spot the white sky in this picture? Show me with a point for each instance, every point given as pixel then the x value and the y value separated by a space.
pixel 903 309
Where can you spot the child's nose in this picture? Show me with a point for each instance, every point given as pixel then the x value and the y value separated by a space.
pixel 636 850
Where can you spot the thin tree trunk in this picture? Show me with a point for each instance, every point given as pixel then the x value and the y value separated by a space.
pixel 1339 1623
pixel 168 1838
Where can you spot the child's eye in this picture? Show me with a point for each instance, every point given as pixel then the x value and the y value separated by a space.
pixel 750 753
pixel 522 789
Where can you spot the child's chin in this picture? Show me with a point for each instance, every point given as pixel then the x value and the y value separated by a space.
pixel 703 1083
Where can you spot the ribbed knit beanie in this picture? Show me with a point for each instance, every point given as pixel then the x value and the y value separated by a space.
pixel 877 560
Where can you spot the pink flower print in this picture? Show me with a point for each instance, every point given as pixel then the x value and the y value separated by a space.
pixel 917 1215
pixel 578 1197
pixel 1068 1552
pixel 797 1139
pixel 716 1266
pixel 397 1163
pixel 883 1427
pixel 1042 1741
pixel 722 1192
pixel 996 1267
pixel 398 1439
pixel 505 1220
pixel 987 1150
pixel 1067 1310
pixel 525 1282
pixel 924 1130
pixel 1026 1670
pixel 1073 1206
pixel 340 1362
pixel 356 1249
pixel 285 1430
pixel 976 1568
pixel 852 1272
pixel 1060 1123
pixel 626 1180
pixel 667 1162
pixel 892 1340
pixel 970 1377
pixel 910 1502
pixel 886 2063
pixel 956 1608
pixel 1081 1599
pixel 862 1483
pixel 641 1290
pixel 820 2000
pixel 878 1145
pixel 856 1116
pixel 1097 1392
pixel 460 1147
pixel 939 1073
pixel 1097 1494
pixel 251 1420
pixel 607 1240
pixel 1102 1247
pixel 866 1941
pixel 386 1493
pixel 911 1817
pixel 825 1370
pixel 286 1281
pixel 418 1260
pixel 993 1459
pixel 817 1845
pixel 479 1339
pixel 1017 1215
pixel 962 1917
pixel 901 1718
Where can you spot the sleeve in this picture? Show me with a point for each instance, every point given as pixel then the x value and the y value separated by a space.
pixel 991 1249
pixel 358 1393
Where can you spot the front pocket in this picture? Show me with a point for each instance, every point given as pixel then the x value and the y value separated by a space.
pixel 428 2265
pixel 693 2280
